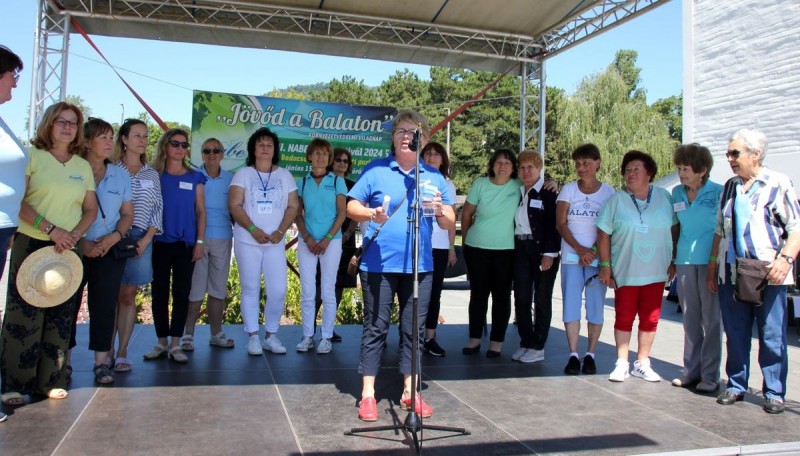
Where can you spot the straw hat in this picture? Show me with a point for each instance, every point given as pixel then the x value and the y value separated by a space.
pixel 47 279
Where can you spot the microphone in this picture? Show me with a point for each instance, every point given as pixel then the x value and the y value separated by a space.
pixel 386 200
pixel 414 145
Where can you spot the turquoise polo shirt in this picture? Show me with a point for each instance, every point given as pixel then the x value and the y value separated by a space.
pixel 112 191
pixel 218 218
pixel 392 252
pixel 698 221
pixel 319 203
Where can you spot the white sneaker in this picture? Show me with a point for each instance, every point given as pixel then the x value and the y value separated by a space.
pixel 643 370
pixel 273 344
pixel 532 355
pixel 325 346
pixel 254 346
pixel 305 344
pixel 518 354
pixel 620 372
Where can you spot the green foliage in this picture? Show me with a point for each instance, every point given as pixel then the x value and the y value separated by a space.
pixel 602 113
pixel 347 90
pixel 625 64
pixel 671 109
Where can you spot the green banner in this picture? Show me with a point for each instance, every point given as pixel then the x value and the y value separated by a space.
pixel 364 130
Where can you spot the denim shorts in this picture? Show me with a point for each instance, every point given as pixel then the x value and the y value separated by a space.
pixel 139 270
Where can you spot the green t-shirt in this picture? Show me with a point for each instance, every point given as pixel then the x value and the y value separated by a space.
pixel 641 239
pixel 493 228
pixel 56 191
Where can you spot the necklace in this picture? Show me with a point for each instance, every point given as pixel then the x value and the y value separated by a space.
pixel 62 161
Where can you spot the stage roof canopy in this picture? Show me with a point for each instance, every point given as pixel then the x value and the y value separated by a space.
pixel 475 34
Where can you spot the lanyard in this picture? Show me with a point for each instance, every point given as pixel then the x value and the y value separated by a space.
pixel 635 203
pixel 264 187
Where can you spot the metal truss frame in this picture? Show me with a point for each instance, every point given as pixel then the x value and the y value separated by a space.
pixel 598 17
pixel 589 19
pixel 50 58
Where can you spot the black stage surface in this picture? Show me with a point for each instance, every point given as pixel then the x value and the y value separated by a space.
pixel 226 402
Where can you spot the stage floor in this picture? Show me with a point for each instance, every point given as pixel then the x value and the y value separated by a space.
pixel 226 402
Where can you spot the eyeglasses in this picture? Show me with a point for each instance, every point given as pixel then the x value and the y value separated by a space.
pixel 432 153
pixel 733 154
pixel 182 145
pixel 16 77
pixel 214 151
pixel 64 123
pixel 402 132
pixel 342 160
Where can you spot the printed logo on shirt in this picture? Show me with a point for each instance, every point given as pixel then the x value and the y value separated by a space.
pixel 76 178
pixel 708 203
pixel 113 192
pixel 329 187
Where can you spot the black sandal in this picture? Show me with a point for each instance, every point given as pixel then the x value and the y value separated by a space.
pixel 103 375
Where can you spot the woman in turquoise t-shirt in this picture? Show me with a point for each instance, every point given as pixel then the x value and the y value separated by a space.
pixel 634 243
pixel 487 227
pixel 696 203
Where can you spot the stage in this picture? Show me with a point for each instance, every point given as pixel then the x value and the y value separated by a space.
pixel 226 402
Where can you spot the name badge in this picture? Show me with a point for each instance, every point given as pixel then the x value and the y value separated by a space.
pixel 185 185
pixel 641 228
pixel 146 183
pixel 678 207
pixel 264 207
pixel 536 204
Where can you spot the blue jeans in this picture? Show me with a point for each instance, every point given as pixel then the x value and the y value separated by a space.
pixel 771 321
pixel 379 290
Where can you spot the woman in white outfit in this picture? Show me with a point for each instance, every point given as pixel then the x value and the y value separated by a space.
pixel 263 202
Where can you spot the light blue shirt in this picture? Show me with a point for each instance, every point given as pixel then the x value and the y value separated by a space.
pixel 698 221
pixel 393 250
pixel 641 239
pixel 319 203
pixel 218 217
pixel 113 190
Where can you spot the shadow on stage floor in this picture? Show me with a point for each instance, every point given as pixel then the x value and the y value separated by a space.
pixel 226 402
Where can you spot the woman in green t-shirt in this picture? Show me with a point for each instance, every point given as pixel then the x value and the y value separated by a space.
pixel 487 227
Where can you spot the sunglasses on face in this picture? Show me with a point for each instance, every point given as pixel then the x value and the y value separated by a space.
pixel 733 154
pixel 214 151
pixel 182 145
pixel 342 160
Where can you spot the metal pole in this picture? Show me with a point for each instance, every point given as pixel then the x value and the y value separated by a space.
pixel 542 107
pixel 523 101
pixel 448 132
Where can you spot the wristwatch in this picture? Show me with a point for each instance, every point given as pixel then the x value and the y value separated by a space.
pixel 788 259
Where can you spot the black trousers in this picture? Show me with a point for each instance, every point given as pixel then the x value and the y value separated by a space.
pixel 171 259
pixel 489 274
pixel 531 284
pixel 102 275
pixel 440 257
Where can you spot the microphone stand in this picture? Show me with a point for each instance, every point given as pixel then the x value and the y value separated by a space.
pixel 413 422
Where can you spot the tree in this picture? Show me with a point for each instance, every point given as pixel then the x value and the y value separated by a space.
pixel 671 109
pixel 404 89
pixel 602 113
pixel 625 63
pixel 348 90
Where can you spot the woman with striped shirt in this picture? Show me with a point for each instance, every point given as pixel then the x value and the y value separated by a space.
pixel 130 152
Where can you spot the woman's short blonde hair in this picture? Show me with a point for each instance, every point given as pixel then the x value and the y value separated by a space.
pixel 530 156
pixel 44 140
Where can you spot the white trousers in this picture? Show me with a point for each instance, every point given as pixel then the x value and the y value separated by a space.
pixel 329 267
pixel 252 260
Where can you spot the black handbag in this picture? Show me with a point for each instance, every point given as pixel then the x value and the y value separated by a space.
pixel 751 280
pixel 126 247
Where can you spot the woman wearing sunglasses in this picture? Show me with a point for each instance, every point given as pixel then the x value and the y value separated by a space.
pixel 577 208
pixel 211 271
pixel 180 244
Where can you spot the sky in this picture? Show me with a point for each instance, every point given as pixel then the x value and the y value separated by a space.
pixel 166 73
